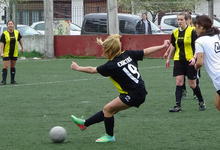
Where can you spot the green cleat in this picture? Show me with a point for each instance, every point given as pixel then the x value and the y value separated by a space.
pixel 79 122
pixel 106 138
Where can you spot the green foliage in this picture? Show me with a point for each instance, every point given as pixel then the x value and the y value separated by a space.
pixel 31 54
pixel 159 5
pixel 78 57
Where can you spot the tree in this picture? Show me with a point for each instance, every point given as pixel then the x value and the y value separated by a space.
pixel 155 6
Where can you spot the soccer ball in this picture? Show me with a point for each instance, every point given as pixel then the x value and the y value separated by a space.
pixel 57 134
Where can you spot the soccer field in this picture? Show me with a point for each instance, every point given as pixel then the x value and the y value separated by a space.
pixel 49 92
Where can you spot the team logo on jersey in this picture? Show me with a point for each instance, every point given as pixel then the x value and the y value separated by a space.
pixel 127 98
pixel 217 47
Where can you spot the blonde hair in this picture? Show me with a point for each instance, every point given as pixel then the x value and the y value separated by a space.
pixel 111 45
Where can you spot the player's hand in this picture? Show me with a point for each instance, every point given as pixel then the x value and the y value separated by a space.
pixel 22 51
pixel 166 43
pixel 192 61
pixel 74 65
pixel 167 63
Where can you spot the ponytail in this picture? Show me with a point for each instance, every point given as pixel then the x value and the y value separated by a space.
pixel 212 31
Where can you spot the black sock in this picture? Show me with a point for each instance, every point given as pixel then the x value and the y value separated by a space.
pixel 178 94
pixel 184 84
pixel 4 74
pixel 109 125
pixel 198 93
pixel 13 74
pixel 197 82
pixel 96 118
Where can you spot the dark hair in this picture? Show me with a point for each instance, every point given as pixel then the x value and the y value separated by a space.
pixel 206 22
pixel 145 13
pixel 183 14
pixel 188 16
pixel 10 21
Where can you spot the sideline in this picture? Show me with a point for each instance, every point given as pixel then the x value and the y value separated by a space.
pixel 76 80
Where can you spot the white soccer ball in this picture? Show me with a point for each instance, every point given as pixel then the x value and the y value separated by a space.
pixel 57 134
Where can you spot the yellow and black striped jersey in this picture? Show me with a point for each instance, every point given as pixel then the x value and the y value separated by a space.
pixel 10 41
pixel 123 71
pixel 184 43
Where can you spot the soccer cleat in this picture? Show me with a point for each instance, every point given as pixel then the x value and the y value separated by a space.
pixel 106 138
pixel 79 122
pixel 14 82
pixel 3 83
pixel 202 106
pixel 175 109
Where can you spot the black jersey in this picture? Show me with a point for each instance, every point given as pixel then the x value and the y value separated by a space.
pixel 123 70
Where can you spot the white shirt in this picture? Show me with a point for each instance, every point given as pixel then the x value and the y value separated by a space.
pixel 146 26
pixel 210 47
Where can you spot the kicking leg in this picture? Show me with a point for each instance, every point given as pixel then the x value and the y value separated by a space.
pixel 109 110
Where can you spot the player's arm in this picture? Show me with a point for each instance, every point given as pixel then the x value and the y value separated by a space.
pixel 170 55
pixel 2 44
pixel 87 69
pixel 1 48
pixel 166 53
pixel 153 49
pixel 21 44
pixel 199 60
pixel 171 52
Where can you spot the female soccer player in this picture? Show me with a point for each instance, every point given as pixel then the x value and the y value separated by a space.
pixel 9 50
pixel 183 46
pixel 122 68
pixel 208 51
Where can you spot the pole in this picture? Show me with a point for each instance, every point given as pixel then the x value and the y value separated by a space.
pixel 13 13
pixel 113 25
pixel 48 35
pixel 210 8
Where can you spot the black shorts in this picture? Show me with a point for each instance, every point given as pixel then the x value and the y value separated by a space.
pixel 183 68
pixel 134 98
pixel 9 58
pixel 218 92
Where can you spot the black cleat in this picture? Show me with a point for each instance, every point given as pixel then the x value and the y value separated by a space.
pixel 175 109
pixel 14 82
pixel 3 83
pixel 202 106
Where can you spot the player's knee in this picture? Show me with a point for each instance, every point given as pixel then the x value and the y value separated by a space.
pixel 192 85
pixel 108 110
pixel 179 83
pixel 217 101
pixel 217 107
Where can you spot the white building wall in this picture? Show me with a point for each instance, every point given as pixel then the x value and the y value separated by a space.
pixel 202 7
pixel 77 12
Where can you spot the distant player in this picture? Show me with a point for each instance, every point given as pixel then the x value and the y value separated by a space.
pixel 9 42
pixel 122 68
pixel 208 51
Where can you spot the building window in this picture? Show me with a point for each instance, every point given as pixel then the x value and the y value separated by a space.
pixel 35 16
pixel 25 19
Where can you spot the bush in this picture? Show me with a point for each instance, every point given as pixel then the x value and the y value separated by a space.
pixel 30 54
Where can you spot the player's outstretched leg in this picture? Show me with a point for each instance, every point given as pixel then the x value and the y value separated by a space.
pixel 106 138
pixel 79 122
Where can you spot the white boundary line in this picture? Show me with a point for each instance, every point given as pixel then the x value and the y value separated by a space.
pixel 76 80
